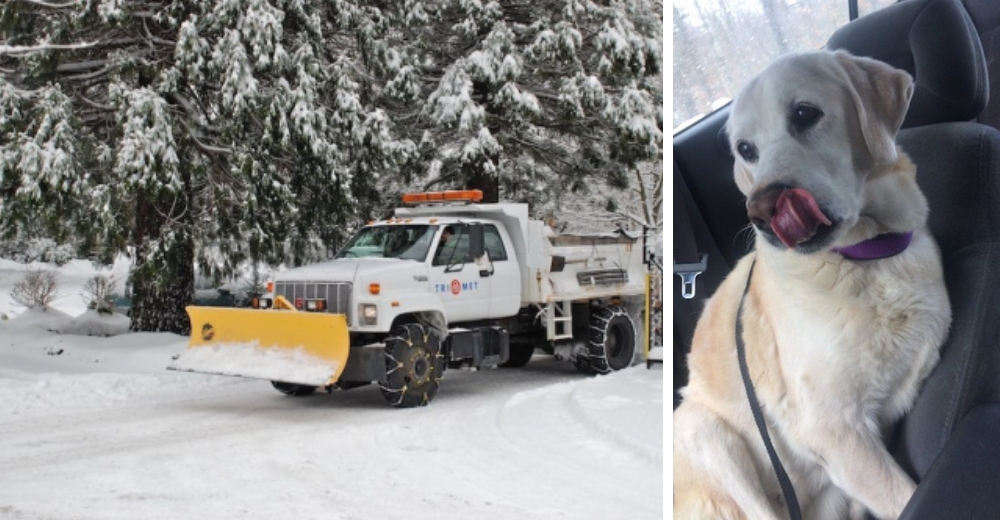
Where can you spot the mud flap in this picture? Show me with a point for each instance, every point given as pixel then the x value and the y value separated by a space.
pixel 306 348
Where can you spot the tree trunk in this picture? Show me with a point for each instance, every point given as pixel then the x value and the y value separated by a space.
pixel 489 184
pixel 476 176
pixel 162 281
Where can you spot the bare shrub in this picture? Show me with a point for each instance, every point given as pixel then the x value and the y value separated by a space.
pixel 98 291
pixel 37 290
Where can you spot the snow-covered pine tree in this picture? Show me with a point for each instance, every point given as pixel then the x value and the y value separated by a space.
pixel 186 131
pixel 527 98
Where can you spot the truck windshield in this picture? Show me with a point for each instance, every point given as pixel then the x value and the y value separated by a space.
pixel 406 242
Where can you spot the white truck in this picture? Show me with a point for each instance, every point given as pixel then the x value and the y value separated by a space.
pixel 446 282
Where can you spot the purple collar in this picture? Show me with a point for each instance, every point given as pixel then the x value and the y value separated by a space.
pixel 882 246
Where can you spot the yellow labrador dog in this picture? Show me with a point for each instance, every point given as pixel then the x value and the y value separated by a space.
pixel 843 316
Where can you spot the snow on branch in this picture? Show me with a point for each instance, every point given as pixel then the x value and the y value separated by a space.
pixel 27 50
pixel 52 5
pixel 206 148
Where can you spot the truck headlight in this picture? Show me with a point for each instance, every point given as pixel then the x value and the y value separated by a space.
pixel 369 314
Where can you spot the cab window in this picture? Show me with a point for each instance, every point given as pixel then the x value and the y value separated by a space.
pixel 494 244
pixel 453 246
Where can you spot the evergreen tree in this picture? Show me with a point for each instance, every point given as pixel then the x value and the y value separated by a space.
pixel 186 131
pixel 215 133
pixel 527 98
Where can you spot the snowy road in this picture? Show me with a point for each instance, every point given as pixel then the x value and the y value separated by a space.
pixel 95 428
pixel 132 442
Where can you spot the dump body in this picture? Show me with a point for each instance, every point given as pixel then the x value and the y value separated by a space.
pixel 584 267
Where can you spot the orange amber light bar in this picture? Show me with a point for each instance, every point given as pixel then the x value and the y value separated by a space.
pixel 441 196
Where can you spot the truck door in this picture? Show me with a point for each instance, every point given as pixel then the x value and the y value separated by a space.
pixel 455 278
pixel 505 275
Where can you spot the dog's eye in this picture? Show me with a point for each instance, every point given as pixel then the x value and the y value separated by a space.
pixel 805 116
pixel 747 151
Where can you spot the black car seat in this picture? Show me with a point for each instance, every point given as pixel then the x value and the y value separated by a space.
pixel 958 168
pixel 985 16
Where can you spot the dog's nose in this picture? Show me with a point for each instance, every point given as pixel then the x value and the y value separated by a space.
pixel 760 206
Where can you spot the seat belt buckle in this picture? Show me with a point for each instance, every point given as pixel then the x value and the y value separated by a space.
pixel 688 274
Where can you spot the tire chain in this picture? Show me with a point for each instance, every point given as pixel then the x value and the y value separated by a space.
pixel 388 391
pixel 598 362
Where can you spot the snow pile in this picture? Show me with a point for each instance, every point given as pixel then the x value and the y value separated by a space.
pixel 35 319
pixel 92 323
pixel 292 365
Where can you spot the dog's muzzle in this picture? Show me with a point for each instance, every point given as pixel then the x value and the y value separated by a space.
pixel 792 214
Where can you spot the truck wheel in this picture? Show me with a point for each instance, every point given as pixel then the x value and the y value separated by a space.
pixel 612 340
pixel 414 365
pixel 293 389
pixel 520 355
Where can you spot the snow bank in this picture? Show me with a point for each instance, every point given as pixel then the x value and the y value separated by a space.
pixel 92 323
pixel 35 319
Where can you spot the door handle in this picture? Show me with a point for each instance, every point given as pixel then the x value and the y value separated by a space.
pixel 484 273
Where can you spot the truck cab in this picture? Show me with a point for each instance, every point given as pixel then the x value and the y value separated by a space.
pixel 440 270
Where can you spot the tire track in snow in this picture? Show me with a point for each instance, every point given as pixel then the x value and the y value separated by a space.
pixel 587 444
pixel 587 411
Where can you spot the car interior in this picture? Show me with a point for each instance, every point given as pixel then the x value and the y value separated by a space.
pixel 950 441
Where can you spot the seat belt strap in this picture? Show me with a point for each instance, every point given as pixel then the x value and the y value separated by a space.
pixel 688 262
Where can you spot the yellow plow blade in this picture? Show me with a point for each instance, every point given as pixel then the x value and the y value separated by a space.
pixel 307 348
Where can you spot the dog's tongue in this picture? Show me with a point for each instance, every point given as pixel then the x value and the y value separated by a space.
pixel 796 217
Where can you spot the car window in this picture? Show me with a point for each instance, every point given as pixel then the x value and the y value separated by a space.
pixel 454 250
pixel 494 244
pixel 720 44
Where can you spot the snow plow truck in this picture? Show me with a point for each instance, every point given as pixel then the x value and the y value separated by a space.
pixel 447 282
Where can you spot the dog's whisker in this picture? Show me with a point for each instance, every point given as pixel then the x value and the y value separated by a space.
pixel 750 239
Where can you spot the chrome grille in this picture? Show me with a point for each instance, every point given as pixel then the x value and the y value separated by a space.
pixel 336 294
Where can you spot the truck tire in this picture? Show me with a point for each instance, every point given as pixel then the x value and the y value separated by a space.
pixel 414 365
pixel 612 340
pixel 293 389
pixel 582 365
pixel 520 355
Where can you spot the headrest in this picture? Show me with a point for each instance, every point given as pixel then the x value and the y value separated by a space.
pixel 936 42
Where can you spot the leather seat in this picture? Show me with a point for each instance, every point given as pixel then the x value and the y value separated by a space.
pixel 985 15
pixel 958 168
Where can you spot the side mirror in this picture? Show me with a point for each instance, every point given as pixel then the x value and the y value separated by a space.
pixel 477 245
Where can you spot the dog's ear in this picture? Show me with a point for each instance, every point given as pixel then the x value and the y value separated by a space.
pixel 882 95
